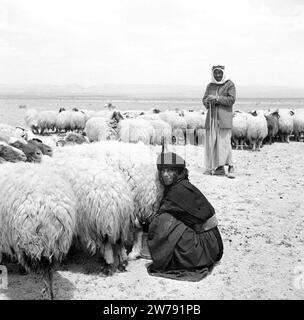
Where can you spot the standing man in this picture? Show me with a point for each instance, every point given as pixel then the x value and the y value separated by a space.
pixel 218 99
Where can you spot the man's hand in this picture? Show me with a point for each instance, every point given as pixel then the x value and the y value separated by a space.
pixel 211 97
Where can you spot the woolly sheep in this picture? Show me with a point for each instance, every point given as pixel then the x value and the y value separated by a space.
pixel 63 122
pixel 10 134
pixel 285 124
pixel 72 138
pixel 298 124
pixel 272 125
pixel 46 121
pixel 239 128
pixel 37 218
pixel 10 154
pixel 32 152
pixel 98 129
pixel 137 164
pixel 31 120
pixel 256 130
pixel 134 130
pixel 104 206
pixel 195 125
pixel 44 148
pixel 78 121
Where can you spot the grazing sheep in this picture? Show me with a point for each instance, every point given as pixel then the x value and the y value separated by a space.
pixel 63 122
pixel 78 121
pixel 256 130
pixel 44 148
pixel 135 130
pixel 272 125
pixel 31 120
pixel 32 152
pixel 37 218
pixel 239 128
pixel 285 124
pixel 46 121
pixel 195 125
pixel 163 132
pixel 104 206
pixel 178 125
pixel 298 124
pixel 10 154
pixel 98 129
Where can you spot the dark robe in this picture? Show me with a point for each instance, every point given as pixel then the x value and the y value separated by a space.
pixel 179 245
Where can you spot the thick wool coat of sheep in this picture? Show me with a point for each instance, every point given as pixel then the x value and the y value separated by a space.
pixel 256 130
pixel 195 126
pixel 37 217
pixel 285 124
pixel 239 128
pixel 98 129
pixel 10 154
pixel 78 121
pixel 10 134
pixel 298 124
pixel 46 121
pixel 163 132
pixel 104 205
pixel 63 122
pixel 178 125
pixel 137 163
pixel 135 130
pixel 31 120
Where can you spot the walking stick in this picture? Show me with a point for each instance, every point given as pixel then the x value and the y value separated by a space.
pixel 211 136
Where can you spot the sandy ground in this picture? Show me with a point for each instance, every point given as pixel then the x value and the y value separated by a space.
pixel 261 218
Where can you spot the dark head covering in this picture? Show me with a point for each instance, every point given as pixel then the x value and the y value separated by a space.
pixel 170 160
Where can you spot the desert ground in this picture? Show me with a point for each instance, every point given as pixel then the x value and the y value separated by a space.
pixel 261 219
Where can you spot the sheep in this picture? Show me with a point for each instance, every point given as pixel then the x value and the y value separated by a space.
pixel 98 129
pixel 272 125
pixel 285 124
pixel 104 206
pixel 31 120
pixel 163 132
pixel 134 130
pixel 72 138
pixel 178 125
pixel 32 152
pixel 46 121
pixel 44 148
pixel 37 218
pixel 137 164
pixel 239 128
pixel 78 121
pixel 10 154
pixel 195 125
pixel 63 122
pixel 256 130
pixel 10 134
pixel 298 124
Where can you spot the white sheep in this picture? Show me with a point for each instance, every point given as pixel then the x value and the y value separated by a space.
pixel 10 154
pixel 78 121
pixel 137 163
pixel 298 124
pixel 63 122
pixel 134 130
pixel 195 126
pixel 37 218
pixel 98 129
pixel 256 130
pixel 178 125
pixel 10 134
pixel 46 120
pixel 31 120
pixel 239 128
pixel 104 206
pixel 285 124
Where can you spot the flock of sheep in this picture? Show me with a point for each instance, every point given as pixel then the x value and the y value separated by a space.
pixel 94 195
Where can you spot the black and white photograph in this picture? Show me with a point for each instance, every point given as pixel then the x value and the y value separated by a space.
pixel 152 150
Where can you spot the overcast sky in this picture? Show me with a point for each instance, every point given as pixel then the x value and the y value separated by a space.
pixel 91 42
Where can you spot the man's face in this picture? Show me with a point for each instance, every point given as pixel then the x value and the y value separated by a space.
pixel 169 176
pixel 218 74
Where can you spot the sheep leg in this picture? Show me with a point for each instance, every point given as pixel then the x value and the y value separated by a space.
pixel 47 291
pixel 135 253
pixel 108 255
pixel 121 257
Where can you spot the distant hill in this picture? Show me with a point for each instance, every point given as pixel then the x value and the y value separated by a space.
pixel 144 91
